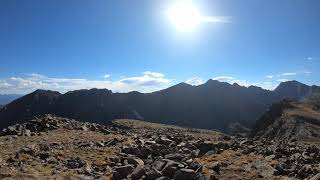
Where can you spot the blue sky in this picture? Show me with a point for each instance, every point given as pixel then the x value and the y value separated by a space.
pixel 72 44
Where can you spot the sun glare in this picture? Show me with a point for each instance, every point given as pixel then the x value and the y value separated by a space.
pixel 184 16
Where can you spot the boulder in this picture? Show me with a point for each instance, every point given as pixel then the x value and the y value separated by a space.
pixel 138 172
pixel 170 168
pixel 184 174
pixel 174 156
pixel 135 161
pixel 158 165
pixel 153 174
pixel 122 171
pixel 315 177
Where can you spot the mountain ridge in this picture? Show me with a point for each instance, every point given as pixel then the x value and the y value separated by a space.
pixel 212 105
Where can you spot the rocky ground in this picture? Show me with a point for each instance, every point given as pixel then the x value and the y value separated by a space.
pixel 56 148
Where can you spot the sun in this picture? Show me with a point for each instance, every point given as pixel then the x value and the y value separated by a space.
pixel 184 16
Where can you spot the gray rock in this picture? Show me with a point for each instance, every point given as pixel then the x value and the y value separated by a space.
pixel 88 169
pixel 170 168
pixel 315 177
pixel 100 144
pixel 43 155
pixel 122 171
pixel 30 149
pixel 158 165
pixel 84 128
pixel 216 167
pixel 163 178
pixel 138 172
pixel 164 140
pixel 282 169
pixel 184 174
pixel 174 156
pixel 195 166
pixel 153 174
pixel 74 163
pixel 135 161
pixel 27 132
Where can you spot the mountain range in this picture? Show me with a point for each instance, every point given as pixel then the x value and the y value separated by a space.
pixel 212 105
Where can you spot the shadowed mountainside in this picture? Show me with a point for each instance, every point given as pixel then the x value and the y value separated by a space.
pixel 213 105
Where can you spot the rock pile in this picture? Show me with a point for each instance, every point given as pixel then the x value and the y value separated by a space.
pixel 123 150
pixel 49 122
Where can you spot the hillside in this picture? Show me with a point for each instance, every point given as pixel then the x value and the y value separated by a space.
pixel 47 147
pixel 213 105
pixel 290 121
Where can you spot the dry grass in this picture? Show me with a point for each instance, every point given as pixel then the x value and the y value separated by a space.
pixel 147 126
pixel 67 140
pixel 235 165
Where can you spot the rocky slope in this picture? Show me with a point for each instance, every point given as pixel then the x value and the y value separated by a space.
pixel 291 121
pixel 213 105
pixel 53 147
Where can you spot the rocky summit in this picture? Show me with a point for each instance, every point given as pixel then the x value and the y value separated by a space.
pixel 51 147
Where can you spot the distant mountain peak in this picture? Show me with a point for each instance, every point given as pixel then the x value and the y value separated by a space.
pixel 292 82
pixel 295 89
pixel 42 91
pixel 181 85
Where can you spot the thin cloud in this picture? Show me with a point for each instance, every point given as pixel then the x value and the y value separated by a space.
pixel 216 19
pixel 307 72
pixel 270 76
pixel 195 81
pixel 223 78
pixel 147 82
pixel 310 58
pixel 267 85
pixel 107 76
pixel 232 80
pixel 282 80
pixel 289 74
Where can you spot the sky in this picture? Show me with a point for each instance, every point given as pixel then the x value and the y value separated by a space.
pixel 126 45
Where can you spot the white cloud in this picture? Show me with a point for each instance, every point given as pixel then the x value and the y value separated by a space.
pixel 309 58
pixel 147 82
pixel 307 72
pixel 289 74
pixel 107 76
pixel 282 80
pixel 232 80
pixel 223 78
pixel 267 85
pixel 148 79
pixel 195 81
pixel 4 84
pixel 270 76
